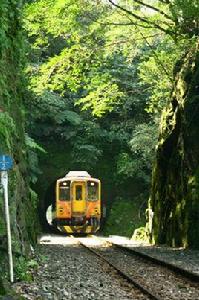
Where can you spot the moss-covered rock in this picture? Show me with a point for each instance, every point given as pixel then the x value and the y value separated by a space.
pixel 175 195
pixel 12 140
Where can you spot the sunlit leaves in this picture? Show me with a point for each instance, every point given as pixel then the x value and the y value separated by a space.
pixel 146 14
pixel 64 71
pixel 54 17
pixel 156 72
pixel 101 99
pixel 86 58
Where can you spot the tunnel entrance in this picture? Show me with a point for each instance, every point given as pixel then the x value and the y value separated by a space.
pixel 47 200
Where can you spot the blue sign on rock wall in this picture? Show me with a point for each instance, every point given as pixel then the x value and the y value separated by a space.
pixel 6 162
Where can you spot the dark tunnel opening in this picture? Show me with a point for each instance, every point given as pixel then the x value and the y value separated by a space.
pixel 47 200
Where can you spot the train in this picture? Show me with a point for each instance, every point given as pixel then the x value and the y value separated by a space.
pixel 77 206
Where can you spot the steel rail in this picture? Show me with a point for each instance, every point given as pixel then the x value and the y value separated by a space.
pixel 130 279
pixel 177 270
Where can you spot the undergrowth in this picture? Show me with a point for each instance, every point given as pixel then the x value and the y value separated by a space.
pixel 124 217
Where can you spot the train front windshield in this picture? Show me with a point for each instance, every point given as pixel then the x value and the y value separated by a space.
pixel 93 191
pixel 64 191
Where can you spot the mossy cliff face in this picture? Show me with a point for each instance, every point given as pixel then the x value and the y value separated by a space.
pixel 175 187
pixel 12 130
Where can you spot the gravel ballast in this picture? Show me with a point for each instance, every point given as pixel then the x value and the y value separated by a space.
pixel 186 259
pixel 157 279
pixel 71 272
pixel 183 258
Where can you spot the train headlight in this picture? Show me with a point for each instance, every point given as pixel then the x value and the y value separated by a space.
pixel 61 210
pixel 96 210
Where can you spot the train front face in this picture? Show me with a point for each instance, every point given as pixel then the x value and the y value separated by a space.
pixel 78 205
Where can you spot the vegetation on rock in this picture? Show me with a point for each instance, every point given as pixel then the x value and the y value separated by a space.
pixel 12 137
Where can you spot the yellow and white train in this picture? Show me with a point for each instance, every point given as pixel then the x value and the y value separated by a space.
pixel 78 203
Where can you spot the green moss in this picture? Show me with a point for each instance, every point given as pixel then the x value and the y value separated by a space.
pixel 12 138
pixel 175 188
pixel 140 234
pixel 193 210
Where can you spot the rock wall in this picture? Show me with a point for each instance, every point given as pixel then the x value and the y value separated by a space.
pixel 175 185
pixel 12 137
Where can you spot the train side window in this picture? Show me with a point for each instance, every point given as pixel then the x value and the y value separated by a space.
pixel 64 191
pixel 78 192
pixel 92 191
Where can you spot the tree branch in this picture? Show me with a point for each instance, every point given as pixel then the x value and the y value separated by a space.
pixel 157 58
pixel 131 40
pixel 165 1
pixel 154 8
pixel 142 19
pixel 130 23
pixel 125 24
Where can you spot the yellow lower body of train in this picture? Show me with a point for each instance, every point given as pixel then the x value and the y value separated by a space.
pixel 78 203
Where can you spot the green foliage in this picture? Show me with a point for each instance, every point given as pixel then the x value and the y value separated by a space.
pixel 98 89
pixel 24 268
pixel 138 162
pixel 143 142
pixel 7 128
pixel 124 218
pixel 86 155
pixel 2 289
pixel 77 68
pixel 54 115
pixel 129 167
pixel 102 99
pixel 157 68
pixel 87 97
pixel 32 154
pixel 12 136
pixel 31 144
pixel 34 199
pixel 186 13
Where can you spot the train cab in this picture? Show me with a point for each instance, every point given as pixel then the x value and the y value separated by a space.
pixel 78 203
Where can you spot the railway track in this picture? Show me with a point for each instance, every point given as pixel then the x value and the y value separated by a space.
pixel 146 277
pixel 66 270
pixel 154 278
pixel 180 271
pixel 130 279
